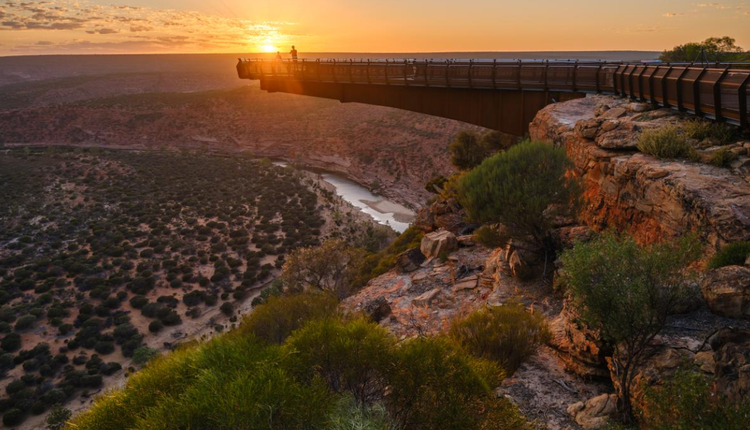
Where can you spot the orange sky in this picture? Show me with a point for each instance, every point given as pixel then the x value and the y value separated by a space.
pixel 150 26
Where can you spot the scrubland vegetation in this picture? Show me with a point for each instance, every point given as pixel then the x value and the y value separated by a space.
pixel 315 370
pixel 98 247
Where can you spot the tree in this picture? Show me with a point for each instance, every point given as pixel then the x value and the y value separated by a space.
pixel 525 188
pixel 57 417
pixel 626 291
pixel 330 267
pixel 143 355
pixel 714 48
pixel 468 149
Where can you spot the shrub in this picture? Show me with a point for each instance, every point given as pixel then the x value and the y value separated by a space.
pixel 524 188
pixel 490 237
pixel 11 342
pixel 155 326
pixel 687 401
pixel 507 334
pixel 13 417
pixel 226 308
pixel 466 150
pixel 722 157
pixel 703 129
pixel 666 143
pixel 57 417
pixel 330 267
pixel 143 355
pixel 275 320
pixel 626 291
pixel 347 414
pixel 25 322
pixel 730 255
pixel 435 385
pixel 351 357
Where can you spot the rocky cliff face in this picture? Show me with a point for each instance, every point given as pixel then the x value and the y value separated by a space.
pixel 648 197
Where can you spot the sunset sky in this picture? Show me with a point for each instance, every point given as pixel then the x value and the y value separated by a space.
pixel 180 26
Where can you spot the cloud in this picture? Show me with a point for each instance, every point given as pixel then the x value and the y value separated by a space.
pixel 128 27
pixel 673 14
pixel 720 6
pixel 103 31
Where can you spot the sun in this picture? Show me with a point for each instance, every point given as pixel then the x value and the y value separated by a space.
pixel 268 48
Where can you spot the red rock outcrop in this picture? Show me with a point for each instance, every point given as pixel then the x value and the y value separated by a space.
pixel 648 197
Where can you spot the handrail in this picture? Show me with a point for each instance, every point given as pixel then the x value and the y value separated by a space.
pixel 717 91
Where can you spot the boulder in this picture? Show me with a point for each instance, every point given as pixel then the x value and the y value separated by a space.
pixel 522 258
pixel 437 243
pixel 580 348
pixel 566 237
pixel 594 413
pixel 727 291
pixel 446 214
pixel 428 298
pixel 732 356
pixel 409 260
pixel 377 309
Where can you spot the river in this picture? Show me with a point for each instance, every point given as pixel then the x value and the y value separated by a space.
pixel 382 210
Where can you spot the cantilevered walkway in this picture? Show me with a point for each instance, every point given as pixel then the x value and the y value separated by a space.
pixel 506 95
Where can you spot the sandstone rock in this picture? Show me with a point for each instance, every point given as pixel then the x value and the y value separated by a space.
pixel 409 260
pixel 377 309
pixel 732 354
pixel 747 261
pixel 439 242
pixel 566 237
pixel 467 283
pixel 650 198
pixel 588 129
pixel 522 258
pixel 614 113
pixel 580 348
pixel 639 107
pixel 428 298
pixel 594 413
pixel 705 361
pixel 466 241
pixel 727 291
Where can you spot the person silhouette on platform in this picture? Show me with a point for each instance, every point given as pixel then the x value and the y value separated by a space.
pixel 277 62
pixel 293 52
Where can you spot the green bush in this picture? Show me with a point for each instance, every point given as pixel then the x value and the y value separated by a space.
pixel 508 334
pixel 525 188
pixel 722 157
pixel 13 417
pixel 351 357
pixel 626 291
pixel 275 320
pixel 435 385
pixel 702 129
pixel 688 402
pixel 490 237
pixel 347 414
pixel 667 142
pixel 733 254
pixel 143 355
pixel 468 149
pixel 25 322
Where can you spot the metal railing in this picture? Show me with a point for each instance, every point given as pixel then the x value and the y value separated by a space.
pixel 716 91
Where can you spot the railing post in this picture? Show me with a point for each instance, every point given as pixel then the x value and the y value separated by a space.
pixel 697 93
pixel 742 92
pixel 546 77
pixel 680 107
pixel 520 69
pixel 640 84
pixel 368 71
pixel 575 76
pixel 630 83
pixel 386 72
pixel 664 91
pixel 596 77
pixel 717 95
pixel 471 64
pixel 651 91
pixel 426 67
pixel 447 77
pixel 317 69
pixel 494 73
pixel 351 66
pixel 406 64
